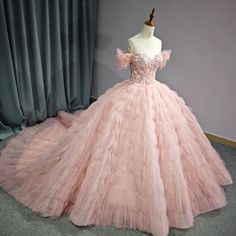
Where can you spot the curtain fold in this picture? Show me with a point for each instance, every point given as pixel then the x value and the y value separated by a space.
pixel 46 59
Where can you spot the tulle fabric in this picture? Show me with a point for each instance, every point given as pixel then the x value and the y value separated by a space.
pixel 166 54
pixel 123 58
pixel 136 158
pixel 166 57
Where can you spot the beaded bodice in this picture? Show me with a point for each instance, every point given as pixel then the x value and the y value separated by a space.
pixel 142 67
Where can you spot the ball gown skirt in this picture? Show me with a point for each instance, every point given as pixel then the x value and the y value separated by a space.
pixel 136 158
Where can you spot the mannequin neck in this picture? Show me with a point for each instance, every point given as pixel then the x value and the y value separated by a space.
pixel 147 31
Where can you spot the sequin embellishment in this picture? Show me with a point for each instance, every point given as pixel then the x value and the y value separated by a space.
pixel 143 68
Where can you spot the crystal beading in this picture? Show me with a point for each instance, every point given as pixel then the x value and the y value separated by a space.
pixel 143 68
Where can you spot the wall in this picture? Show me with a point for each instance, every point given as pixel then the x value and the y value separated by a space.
pixel 202 69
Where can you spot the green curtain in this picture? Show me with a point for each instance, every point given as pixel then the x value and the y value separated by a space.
pixel 46 59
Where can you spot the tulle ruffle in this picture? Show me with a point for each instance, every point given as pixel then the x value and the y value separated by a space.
pixel 123 59
pixel 136 158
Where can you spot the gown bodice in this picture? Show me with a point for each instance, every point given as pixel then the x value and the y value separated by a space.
pixel 142 67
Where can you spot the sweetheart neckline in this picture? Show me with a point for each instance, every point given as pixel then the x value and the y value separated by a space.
pixel 146 55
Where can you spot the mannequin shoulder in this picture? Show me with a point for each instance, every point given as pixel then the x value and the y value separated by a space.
pixel 131 43
pixel 157 41
pixel 136 42
pixel 136 38
pixel 133 38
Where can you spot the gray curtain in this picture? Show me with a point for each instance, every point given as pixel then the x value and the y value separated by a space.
pixel 46 59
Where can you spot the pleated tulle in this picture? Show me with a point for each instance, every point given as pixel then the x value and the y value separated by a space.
pixel 136 158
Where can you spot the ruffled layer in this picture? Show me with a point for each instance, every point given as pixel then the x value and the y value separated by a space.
pixel 136 158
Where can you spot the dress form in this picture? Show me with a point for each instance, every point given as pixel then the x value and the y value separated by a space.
pixel 145 42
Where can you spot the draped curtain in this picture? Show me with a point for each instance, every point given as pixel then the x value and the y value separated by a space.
pixel 46 59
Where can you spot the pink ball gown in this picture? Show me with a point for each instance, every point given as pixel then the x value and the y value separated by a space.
pixel 136 158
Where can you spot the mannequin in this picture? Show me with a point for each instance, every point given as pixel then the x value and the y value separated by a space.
pixel 145 42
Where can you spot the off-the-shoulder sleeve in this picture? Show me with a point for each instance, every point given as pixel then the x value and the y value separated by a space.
pixel 123 59
pixel 166 56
